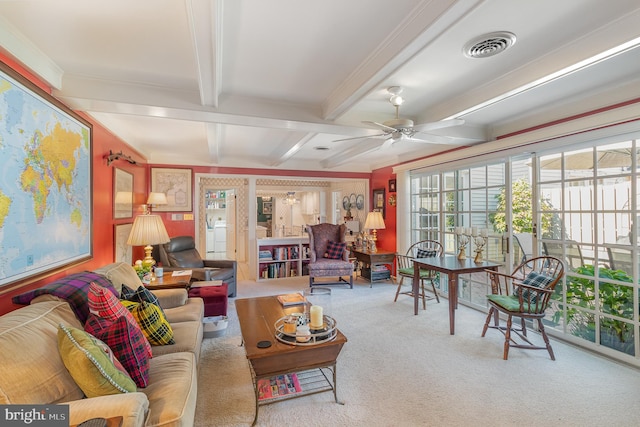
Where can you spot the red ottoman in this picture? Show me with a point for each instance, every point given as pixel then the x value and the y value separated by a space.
pixel 215 298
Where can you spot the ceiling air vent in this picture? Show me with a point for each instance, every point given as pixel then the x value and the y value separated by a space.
pixel 489 44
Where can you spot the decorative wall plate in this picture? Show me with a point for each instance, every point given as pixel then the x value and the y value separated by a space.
pixel 352 199
pixel 392 200
pixel 360 202
pixel 345 202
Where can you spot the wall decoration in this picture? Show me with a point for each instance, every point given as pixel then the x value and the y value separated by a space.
pixel 123 194
pixel 379 201
pixel 360 202
pixel 46 184
pixel 392 186
pixel 345 203
pixel 176 185
pixel 267 208
pixel 123 252
pixel 392 200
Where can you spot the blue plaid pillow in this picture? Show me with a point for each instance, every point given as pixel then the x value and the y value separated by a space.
pixel 335 250
pixel 536 280
pixel 425 253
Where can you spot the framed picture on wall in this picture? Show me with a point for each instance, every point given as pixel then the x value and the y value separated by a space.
pixel 123 252
pixel 267 208
pixel 379 200
pixel 176 185
pixel 123 194
pixel 392 186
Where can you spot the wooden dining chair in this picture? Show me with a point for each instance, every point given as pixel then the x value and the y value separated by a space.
pixel 525 293
pixel 421 249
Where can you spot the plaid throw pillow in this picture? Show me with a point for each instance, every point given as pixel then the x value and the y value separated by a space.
pixel 335 250
pixel 128 343
pixel 104 304
pixel 142 294
pixel 152 321
pixel 536 280
pixel 425 253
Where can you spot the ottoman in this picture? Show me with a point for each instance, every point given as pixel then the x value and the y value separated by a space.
pixel 214 297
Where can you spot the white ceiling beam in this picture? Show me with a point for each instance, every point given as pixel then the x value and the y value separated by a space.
pixel 213 137
pixel 363 147
pixel 17 45
pixel 428 21
pixel 292 149
pixel 205 24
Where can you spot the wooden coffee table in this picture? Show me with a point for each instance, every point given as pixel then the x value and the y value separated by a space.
pixel 257 318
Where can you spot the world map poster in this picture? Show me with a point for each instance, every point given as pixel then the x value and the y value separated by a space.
pixel 45 183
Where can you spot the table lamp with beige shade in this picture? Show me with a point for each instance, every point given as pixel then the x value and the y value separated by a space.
pixel 374 222
pixel 148 230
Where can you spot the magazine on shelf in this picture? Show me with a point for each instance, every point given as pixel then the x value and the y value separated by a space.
pixel 291 299
pixel 278 386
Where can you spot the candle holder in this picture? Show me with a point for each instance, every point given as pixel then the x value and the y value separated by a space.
pixel 480 242
pixel 463 239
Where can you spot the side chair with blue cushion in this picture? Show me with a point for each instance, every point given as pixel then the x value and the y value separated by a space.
pixel 532 284
pixel 421 249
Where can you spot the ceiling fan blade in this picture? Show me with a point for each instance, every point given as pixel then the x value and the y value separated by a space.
pixel 358 137
pixel 380 125
pixel 438 125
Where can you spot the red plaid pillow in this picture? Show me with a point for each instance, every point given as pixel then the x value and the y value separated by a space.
pixel 127 343
pixel 335 250
pixel 104 304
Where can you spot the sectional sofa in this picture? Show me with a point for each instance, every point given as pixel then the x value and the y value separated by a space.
pixel 34 372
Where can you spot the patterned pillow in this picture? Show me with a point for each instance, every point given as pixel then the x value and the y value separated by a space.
pixel 152 321
pixel 73 288
pixel 335 250
pixel 91 364
pixel 128 343
pixel 425 253
pixel 142 294
pixel 536 280
pixel 106 305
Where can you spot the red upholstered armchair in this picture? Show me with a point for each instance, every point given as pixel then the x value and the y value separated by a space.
pixel 329 256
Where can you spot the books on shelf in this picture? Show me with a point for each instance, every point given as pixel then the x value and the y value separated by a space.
pixel 278 386
pixel 265 255
pixel 291 299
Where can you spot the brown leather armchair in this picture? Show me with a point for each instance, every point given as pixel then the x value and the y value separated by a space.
pixel 181 254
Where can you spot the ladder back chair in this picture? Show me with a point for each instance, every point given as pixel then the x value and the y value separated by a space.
pixel 422 249
pixel 532 284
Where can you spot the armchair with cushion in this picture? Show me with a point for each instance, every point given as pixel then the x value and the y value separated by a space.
pixel 181 253
pixel 328 254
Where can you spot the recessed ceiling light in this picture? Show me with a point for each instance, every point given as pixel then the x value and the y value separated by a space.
pixel 489 44
pixel 321 148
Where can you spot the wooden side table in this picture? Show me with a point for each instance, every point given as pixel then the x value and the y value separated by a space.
pixel 169 281
pixel 372 260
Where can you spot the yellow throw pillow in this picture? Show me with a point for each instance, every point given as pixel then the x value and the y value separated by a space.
pixel 91 363
pixel 152 321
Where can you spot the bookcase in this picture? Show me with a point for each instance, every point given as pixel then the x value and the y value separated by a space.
pixel 280 257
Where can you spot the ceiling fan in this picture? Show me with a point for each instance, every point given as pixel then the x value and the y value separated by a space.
pixel 400 129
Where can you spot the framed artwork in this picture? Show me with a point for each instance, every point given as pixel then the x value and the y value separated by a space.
pixel 267 208
pixel 123 252
pixel 379 200
pixel 176 185
pixel 123 194
pixel 392 186
pixel 46 195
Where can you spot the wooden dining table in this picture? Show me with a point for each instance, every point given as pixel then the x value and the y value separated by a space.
pixel 452 267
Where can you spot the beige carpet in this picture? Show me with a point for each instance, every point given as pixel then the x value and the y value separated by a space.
pixel 403 370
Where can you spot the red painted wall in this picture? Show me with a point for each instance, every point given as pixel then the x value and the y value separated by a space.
pixel 387 237
pixel 103 222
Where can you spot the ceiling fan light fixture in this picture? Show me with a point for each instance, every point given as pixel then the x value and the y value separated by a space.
pixel 396 100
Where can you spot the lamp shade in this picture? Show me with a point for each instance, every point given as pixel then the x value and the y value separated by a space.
pixel 147 230
pixel 374 221
pixel 157 199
